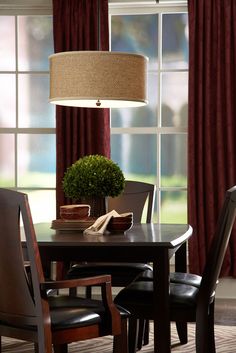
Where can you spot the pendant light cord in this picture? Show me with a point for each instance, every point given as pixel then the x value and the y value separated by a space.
pixel 99 25
pixel 98 103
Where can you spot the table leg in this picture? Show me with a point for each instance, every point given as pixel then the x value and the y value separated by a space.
pixel 181 258
pixel 162 341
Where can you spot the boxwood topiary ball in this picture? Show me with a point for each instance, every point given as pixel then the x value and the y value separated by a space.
pixel 93 176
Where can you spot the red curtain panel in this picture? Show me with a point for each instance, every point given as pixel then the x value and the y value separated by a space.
pixel 79 131
pixel 212 123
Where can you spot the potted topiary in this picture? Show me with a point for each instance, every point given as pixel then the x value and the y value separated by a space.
pixel 91 180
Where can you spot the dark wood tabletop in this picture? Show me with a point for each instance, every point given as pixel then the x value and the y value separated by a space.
pixel 152 236
pixel 154 243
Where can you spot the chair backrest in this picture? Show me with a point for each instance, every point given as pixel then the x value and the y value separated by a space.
pixel 18 302
pixel 218 247
pixel 134 198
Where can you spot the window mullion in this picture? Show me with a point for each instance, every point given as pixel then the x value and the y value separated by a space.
pixel 16 92
pixel 158 196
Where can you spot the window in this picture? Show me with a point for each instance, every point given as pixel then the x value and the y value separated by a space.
pixel 27 127
pixel 150 143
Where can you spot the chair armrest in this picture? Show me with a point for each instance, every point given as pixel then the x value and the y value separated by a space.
pixel 72 283
pixel 114 318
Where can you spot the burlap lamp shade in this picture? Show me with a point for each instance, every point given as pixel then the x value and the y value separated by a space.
pixel 98 79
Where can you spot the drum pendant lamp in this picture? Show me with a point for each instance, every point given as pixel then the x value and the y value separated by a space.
pixel 98 79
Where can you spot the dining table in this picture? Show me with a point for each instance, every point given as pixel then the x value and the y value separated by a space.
pixel 153 243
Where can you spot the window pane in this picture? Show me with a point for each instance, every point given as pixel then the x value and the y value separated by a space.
pixel 42 205
pixel 138 117
pixel 36 160
pixel 136 34
pixel 8 100
pixel 175 99
pixel 136 155
pixel 174 160
pixel 7 43
pixel 175 41
pixel 174 207
pixel 35 42
pixel 7 160
pixel 34 108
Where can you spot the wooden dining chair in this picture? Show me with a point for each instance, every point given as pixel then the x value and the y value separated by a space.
pixel 27 312
pixel 188 303
pixel 138 197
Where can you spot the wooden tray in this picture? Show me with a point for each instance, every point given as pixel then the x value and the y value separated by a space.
pixel 60 224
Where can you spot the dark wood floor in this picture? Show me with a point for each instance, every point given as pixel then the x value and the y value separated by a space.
pixel 225 312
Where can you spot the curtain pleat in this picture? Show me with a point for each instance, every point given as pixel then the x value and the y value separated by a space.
pixel 79 131
pixel 212 124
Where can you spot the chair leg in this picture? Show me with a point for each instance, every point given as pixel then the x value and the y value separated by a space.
pixel 73 292
pixel 211 331
pixel 89 292
pixel 141 329
pixel 143 333
pixel 133 334
pixel 205 340
pixel 120 342
pixel 43 345
pixel 146 333
pixel 182 330
pixel 60 348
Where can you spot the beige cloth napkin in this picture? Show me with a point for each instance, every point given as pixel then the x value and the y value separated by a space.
pixel 100 225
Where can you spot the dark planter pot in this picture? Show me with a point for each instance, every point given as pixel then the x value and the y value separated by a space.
pixel 99 205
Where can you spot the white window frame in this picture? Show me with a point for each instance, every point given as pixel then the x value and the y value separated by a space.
pixel 24 8
pixel 17 8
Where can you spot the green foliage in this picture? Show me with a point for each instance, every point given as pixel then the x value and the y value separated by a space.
pixel 93 175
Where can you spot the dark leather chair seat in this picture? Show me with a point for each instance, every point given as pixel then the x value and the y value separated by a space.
pixel 67 312
pixel 138 295
pixel 186 278
pixel 73 311
pixel 63 318
pixel 121 273
pixel 62 301
pixel 175 277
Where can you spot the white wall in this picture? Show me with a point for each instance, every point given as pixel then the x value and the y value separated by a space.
pixel 226 288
